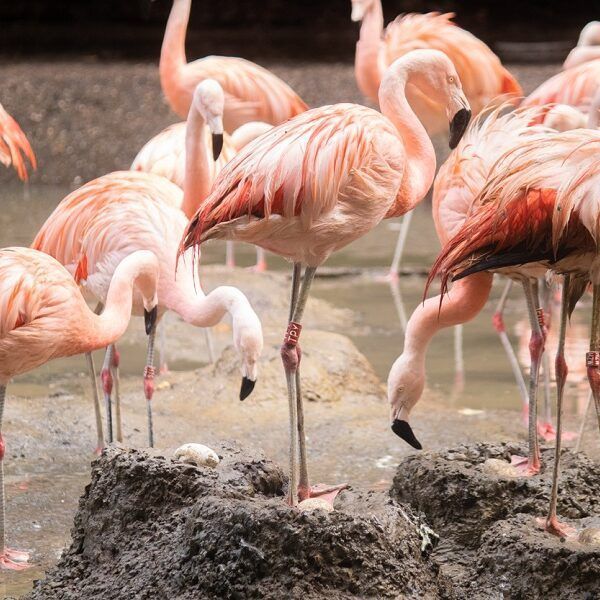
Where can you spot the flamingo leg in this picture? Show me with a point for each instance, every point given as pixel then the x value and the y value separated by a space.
pixel 162 346
pixel 116 361
pixel 96 397
pixel 107 386
pixel 498 322
pixel 305 490
pixel 261 261
pixel 588 406
pixel 210 346
pixel 545 428
pixel 459 359
pixel 531 466
pixel 551 523
pixel 149 373
pixel 229 254
pixel 9 559
pixel 593 356
pixel 400 244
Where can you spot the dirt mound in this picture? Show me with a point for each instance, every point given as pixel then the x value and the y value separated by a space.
pixel 466 489
pixel 152 527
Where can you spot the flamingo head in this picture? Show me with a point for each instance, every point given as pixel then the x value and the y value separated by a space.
pixel 562 117
pixel 406 382
pixel 359 9
pixel 248 341
pixel 146 282
pixel 209 101
pixel 590 34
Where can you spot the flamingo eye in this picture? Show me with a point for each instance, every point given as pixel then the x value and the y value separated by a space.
pixel 451 79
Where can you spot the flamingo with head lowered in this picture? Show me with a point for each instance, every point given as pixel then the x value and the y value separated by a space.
pixel 322 180
pixel 44 316
pixel 251 92
pixel 14 146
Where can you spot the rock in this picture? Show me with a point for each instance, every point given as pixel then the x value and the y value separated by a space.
pixel 197 454
pixel 311 504
pixel 153 527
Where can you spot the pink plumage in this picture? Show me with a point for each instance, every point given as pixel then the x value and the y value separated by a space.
pixel 14 146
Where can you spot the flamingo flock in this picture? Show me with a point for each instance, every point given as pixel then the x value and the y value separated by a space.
pixel 519 196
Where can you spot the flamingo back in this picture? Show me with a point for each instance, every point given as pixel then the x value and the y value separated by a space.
pixel 14 146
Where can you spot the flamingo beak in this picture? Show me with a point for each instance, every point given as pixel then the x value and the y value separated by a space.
pixel 458 126
pixel 217 144
pixel 403 430
pixel 247 387
pixel 150 319
pixel 358 12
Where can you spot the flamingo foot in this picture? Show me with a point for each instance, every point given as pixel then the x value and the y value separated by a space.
pixel 14 560
pixel 230 264
pixel 546 431
pixel 555 527
pixel 326 493
pixel 390 277
pixel 98 450
pixel 259 267
pixel 164 369
pixel 522 466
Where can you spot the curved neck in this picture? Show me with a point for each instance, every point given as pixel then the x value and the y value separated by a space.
pixel 367 67
pixel 463 302
pixel 172 54
pixel 419 169
pixel 198 177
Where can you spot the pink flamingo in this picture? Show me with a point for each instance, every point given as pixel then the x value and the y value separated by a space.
pixel 322 180
pixel 14 146
pixel 209 147
pixel 251 92
pixel 541 207
pixel 588 46
pixel 44 316
pixel 481 73
pixel 455 197
pixel 94 227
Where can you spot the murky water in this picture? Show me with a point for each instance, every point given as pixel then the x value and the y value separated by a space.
pixel 488 382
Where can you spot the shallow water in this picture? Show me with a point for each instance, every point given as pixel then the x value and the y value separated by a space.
pixel 488 382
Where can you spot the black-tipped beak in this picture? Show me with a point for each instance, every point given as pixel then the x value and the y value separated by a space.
pixel 458 126
pixel 404 430
pixel 150 319
pixel 217 144
pixel 247 387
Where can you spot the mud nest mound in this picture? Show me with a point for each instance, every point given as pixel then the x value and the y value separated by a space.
pixel 490 542
pixel 152 527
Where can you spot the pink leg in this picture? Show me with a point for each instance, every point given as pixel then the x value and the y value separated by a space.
pixel 229 254
pixel 261 262
pixel 116 361
pixel 107 386
pixel 149 374
pixel 9 559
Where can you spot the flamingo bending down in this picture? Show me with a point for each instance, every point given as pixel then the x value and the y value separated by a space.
pixel 251 92
pixel 95 226
pixel 480 71
pixel 14 146
pixel 541 207
pixel 44 316
pixel 210 149
pixel 588 46
pixel 322 180
pixel 455 197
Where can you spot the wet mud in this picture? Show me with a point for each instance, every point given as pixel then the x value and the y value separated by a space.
pixel 491 545
pixel 149 526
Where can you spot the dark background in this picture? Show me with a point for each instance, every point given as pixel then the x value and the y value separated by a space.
pixel 286 29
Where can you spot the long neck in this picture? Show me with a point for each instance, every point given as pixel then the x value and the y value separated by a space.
pixel 172 56
pixel 419 170
pixel 367 69
pixel 109 326
pixel 198 177
pixel 463 303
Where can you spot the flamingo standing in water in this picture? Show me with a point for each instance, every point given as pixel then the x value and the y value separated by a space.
pixel 322 180
pixel 541 207
pixel 14 146
pixel 251 92
pixel 210 150
pixel 588 46
pixel 481 73
pixel 94 227
pixel 455 197
pixel 44 316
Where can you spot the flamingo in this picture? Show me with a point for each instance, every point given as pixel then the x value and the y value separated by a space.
pixel 95 226
pixel 455 197
pixel 251 92
pixel 541 206
pixel 44 316
pixel 14 146
pixel 322 180
pixel 588 46
pixel 481 73
pixel 202 135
